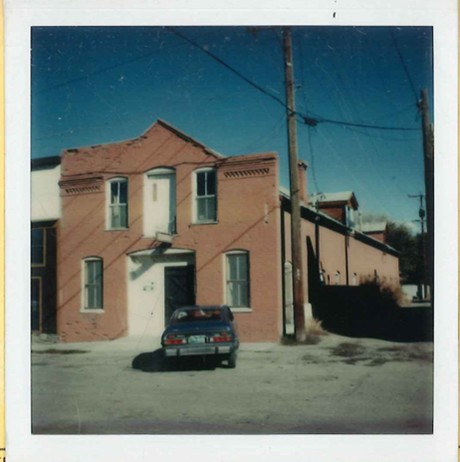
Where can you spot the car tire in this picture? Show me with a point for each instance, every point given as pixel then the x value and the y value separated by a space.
pixel 232 360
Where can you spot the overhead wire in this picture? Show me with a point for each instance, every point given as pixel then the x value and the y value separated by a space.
pixel 309 132
pixel 403 63
pixel 227 66
pixel 307 120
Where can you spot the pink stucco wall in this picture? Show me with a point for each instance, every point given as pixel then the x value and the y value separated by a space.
pixel 363 259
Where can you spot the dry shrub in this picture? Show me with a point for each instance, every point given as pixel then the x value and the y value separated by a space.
pixel 314 327
pixel 389 292
pixel 313 333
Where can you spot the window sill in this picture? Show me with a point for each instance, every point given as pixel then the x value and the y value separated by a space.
pixel 199 223
pixel 116 229
pixel 92 311
pixel 241 310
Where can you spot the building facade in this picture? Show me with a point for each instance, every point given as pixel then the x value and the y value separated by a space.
pixel 150 224
pixel 45 216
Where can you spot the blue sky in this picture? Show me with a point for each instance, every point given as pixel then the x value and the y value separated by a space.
pixel 94 85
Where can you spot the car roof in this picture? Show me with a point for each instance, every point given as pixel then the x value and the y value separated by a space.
pixel 206 307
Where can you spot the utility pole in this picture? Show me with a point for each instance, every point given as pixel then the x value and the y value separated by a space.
pixel 421 214
pixel 428 156
pixel 296 246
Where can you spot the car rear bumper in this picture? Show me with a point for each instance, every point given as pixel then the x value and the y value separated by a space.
pixel 198 350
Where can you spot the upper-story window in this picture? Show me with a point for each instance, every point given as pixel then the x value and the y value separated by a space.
pixel 205 196
pixel 38 246
pixel 117 200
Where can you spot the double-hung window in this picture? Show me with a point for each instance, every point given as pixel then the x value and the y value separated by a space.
pixel 237 274
pixel 205 196
pixel 93 284
pixel 38 246
pixel 117 203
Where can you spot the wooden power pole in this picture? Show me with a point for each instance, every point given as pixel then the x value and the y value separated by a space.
pixel 296 243
pixel 428 155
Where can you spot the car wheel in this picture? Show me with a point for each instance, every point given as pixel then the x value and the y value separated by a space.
pixel 232 360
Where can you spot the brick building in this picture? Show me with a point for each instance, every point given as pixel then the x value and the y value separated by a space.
pixel 152 223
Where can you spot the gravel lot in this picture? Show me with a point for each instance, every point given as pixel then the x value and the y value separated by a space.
pixel 338 385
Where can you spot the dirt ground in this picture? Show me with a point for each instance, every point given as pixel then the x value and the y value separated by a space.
pixel 338 385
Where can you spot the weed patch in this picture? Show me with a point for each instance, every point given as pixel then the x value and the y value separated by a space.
pixel 55 351
pixel 310 359
pixel 348 350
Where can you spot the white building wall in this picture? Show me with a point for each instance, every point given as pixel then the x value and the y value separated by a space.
pixel 45 200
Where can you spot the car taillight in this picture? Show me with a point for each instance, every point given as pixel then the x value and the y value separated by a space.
pixel 172 339
pixel 221 337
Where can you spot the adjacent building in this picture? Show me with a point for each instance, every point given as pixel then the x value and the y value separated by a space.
pixel 146 225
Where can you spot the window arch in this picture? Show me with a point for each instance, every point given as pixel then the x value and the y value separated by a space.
pixel 93 284
pixel 117 203
pixel 237 279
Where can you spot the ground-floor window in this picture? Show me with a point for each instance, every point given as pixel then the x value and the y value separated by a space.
pixel 237 275
pixel 93 284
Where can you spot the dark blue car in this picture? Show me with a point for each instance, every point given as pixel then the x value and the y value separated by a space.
pixel 207 331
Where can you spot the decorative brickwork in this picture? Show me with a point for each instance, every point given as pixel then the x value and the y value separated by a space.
pixel 81 186
pixel 247 173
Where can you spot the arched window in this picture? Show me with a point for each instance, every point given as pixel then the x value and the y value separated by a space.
pixel 205 195
pixel 117 203
pixel 238 279
pixel 93 287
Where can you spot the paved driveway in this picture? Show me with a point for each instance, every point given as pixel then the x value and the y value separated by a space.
pixel 339 385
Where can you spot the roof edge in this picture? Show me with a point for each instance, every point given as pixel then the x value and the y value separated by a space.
pixel 186 137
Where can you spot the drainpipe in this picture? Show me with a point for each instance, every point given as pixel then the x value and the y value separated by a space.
pixel 347 242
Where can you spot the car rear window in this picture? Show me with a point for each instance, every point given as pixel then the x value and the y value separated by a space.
pixel 198 315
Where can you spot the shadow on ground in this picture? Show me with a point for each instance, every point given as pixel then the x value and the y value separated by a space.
pixel 366 312
pixel 156 362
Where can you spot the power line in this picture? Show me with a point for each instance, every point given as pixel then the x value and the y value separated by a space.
pixel 313 166
pixel 96 72
pixel 315 121
pixel 227 66
pixel 311 121
pixel 406 70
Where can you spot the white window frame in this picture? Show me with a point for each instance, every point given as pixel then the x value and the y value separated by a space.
pixel 196 219
pixel 109 204
pixel 84 286
pixel 247 306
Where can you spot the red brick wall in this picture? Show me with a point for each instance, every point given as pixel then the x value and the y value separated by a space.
pixel 248 219
pixel 338 212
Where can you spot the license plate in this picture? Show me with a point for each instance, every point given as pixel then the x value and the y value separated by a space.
pixel 197 339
